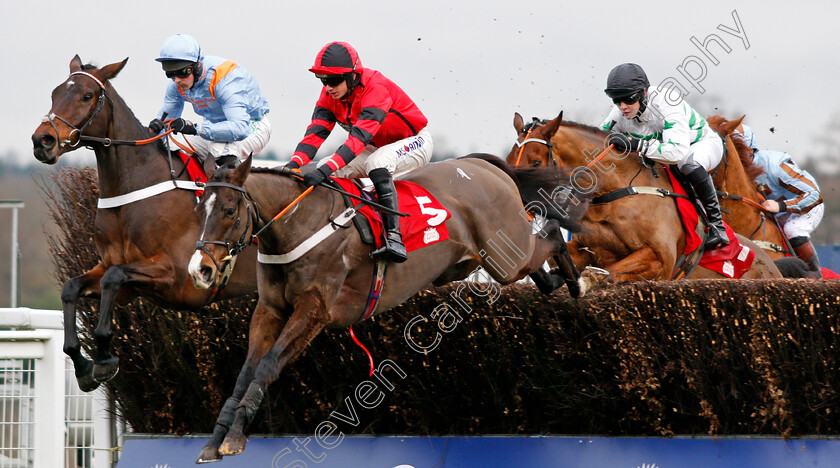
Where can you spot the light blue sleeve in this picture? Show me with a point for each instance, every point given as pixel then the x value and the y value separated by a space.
pixel 236 126
pixel 173 102
pixel 801 183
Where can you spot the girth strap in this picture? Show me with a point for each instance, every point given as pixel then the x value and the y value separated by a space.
pixel 341 221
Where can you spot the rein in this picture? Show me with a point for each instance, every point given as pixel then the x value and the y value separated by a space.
pixel 100 103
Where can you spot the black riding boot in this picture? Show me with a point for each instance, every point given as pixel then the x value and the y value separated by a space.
pixel 807 253
pixel 707 194
pixel 393 250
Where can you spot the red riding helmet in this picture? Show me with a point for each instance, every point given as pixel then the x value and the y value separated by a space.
pixel 336 58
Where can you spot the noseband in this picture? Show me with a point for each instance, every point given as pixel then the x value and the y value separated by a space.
pixel 78 131
pixel 521 144
pixel 243 241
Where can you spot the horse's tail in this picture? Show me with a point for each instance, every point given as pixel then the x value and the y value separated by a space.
pixel 546 189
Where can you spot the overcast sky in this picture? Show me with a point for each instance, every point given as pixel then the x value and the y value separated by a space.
pixel 469 65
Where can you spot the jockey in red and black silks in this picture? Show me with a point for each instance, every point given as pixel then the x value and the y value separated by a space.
pixel 388 133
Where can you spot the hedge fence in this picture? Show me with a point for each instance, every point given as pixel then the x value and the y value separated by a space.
pixel 650 358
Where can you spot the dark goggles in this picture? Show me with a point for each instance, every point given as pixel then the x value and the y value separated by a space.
pixel 182 73
pixel 631 99
pixel 331 80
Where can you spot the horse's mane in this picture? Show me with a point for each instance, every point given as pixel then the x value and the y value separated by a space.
pixel 752 169
pixel 588 128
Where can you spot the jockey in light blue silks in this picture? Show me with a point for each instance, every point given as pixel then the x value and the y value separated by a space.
pixel 792 193
pixel 220 91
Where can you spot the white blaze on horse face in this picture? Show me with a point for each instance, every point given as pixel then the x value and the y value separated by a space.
pixel 70 83
pixel 208 210
pixel 194 270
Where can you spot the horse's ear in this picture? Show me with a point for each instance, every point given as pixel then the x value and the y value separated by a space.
pixel 209 167
pixel 729 126
pixel 552 126
pixel 75 64
pixel 518 122
pixel 242 170
pixel 109 71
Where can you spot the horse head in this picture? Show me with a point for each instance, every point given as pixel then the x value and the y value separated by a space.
pixel 78 105
pixel 533 143
pixel 226 220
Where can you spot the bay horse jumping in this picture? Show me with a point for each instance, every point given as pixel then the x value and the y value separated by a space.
pixel 634 237
pixel 329 285
pixel 143 245
pixel 740 201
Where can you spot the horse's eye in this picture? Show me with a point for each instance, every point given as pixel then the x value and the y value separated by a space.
pixel 536 163
pixel 230 212
pixel 87 97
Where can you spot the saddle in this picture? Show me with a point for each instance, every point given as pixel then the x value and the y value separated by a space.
pixel 360 220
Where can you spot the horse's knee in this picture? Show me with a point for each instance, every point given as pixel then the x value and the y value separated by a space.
pixel 113 278
pixel 71 290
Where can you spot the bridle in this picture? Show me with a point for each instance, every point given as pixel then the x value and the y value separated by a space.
pixel 100 102
pixel 244 240
pixel 521 144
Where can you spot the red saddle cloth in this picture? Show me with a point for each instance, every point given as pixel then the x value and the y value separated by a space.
pixel 425 224
pixel 732 261
pixel 194 170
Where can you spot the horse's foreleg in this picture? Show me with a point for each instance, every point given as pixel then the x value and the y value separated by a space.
pixel 641 264
pixel 156 274
pixel 70 294
pixel 306 322
pixel 264 329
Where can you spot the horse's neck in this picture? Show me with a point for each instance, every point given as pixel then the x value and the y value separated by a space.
pixel 578 147
pixel 734 177
pixel 125 168
pixel 271 193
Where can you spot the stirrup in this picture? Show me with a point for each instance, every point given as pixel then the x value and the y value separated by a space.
pixel 716 240
pixel 393 250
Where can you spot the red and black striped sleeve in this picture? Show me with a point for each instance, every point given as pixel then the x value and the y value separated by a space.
pixel 375 104
pixel 323 122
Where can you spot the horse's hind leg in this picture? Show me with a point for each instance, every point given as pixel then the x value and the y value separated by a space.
pixel 264 329
pixel 306 322
pixel 70 294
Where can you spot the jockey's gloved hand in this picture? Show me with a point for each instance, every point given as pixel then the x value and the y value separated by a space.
pixel 291 166
pixel 317 176
pixel 156 126
pixel 183 126
pixel 621 143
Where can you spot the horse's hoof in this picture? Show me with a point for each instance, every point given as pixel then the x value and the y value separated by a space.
pixel 591 278
pixel 208 455
pixel 233 445
pixel 87 383
pixel 84 377
pixel 106 370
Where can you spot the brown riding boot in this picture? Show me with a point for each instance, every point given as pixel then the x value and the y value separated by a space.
pixel 807 253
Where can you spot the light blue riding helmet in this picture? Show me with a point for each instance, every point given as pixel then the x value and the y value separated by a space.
pixel 178 49
pixel 748 136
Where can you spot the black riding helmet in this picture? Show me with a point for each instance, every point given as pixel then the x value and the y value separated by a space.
pixel 626 80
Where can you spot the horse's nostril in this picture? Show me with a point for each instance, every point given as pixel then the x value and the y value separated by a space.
pixel 205 271
pixel 44 140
